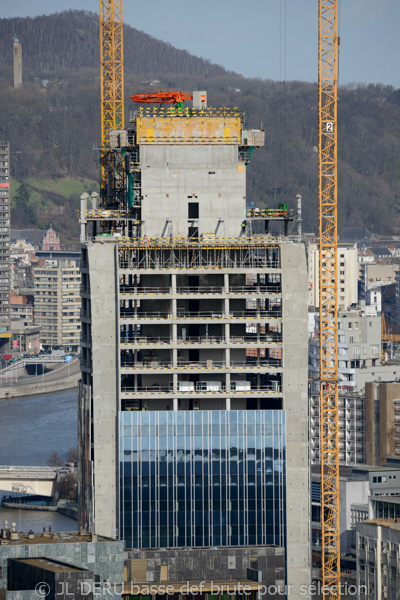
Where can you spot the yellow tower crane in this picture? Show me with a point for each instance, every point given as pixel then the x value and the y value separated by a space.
pixel 329 426
pixel 112 99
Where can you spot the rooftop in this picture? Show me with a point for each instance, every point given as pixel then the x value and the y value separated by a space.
pixel 54 538
pixel 390 523
pixel 49 565
pixel 391 499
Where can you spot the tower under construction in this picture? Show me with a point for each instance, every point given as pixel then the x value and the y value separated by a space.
pixel 193 398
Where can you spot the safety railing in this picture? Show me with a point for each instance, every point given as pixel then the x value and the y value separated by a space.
pixel 203 290
pixel 163 315
pixel 271 363
pixel 151 340
pixel 163 389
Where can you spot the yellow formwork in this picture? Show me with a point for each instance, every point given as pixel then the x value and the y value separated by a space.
pixel 165 130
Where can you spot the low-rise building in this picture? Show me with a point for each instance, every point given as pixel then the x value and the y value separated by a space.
pixel 22 308
pixel 30 560
pixel 25 338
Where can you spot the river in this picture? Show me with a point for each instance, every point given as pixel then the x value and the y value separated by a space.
pixel 30 429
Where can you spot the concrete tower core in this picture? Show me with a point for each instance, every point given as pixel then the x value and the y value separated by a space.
pixel 17 52
pixel 193 427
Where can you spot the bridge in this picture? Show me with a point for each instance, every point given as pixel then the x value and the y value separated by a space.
pixel 29 480
pixel 38 376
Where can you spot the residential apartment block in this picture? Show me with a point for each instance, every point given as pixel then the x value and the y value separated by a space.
pixel 57 303
pixel 347 275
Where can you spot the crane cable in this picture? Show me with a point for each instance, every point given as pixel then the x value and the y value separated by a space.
pixel 282 80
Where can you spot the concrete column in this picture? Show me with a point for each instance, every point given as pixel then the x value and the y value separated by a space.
pixel 226 283
pixel 227 357
pixel 174 332
pixel 228 404
pixel 228 381
pixel 174 300
pixel 83 219
pixel 227 332
pixel 175 357
pixel 95 198
pixel 175 403
pixel 173 283
pixel 226 306
pixel 175 382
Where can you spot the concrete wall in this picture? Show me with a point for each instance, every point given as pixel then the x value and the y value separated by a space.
pixel 40 388
pixel 105 363
pixel 295 389
pixel 384 373
pixel 173 176
pixel 350 492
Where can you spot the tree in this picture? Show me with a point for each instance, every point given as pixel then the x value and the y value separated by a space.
pixel 23 202
pixel 54 459
pixel 67 487
pixel 72 455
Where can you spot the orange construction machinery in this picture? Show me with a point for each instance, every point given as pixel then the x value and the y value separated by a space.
pixel 163 97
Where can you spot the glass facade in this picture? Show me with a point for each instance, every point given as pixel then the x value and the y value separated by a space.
pixel 202 478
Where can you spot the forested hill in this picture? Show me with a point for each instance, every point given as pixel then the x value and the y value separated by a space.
pixel 70 40
pixel 53 123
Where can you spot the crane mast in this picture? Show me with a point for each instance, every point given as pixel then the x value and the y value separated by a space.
pixel 112 99
pixel 329 425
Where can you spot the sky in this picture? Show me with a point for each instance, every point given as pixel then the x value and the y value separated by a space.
pixel 269 39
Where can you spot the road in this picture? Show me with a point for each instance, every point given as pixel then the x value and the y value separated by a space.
pixel 11 379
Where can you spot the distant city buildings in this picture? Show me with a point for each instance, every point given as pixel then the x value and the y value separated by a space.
pixel 360 361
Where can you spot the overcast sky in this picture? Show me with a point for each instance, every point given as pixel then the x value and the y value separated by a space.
pixel 271 39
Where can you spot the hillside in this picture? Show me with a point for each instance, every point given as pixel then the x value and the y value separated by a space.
pixel 70 40
pixel 53 123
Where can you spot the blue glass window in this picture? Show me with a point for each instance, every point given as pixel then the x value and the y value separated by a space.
pixel 202 478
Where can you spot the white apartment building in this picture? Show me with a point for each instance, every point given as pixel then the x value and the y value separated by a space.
pixel 359 358
pixel 347 275
pixel 58 303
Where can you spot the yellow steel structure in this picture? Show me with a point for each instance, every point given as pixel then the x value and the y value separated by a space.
pixel 388 336
pixel 329 426
pixel 112 96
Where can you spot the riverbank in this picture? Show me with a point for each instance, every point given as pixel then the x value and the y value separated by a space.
pixel 37 387
pixel 67 511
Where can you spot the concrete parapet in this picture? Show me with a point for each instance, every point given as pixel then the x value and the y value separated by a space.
pixel 39 388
